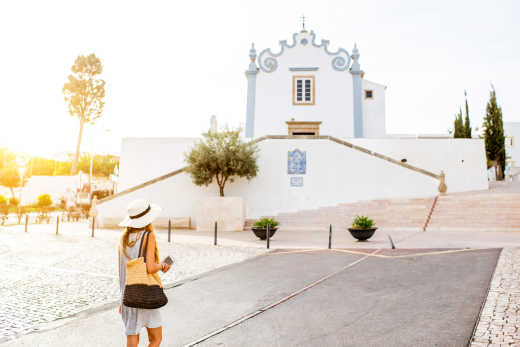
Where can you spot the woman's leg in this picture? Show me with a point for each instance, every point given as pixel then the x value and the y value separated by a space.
pixel 154 336
pixel 132 340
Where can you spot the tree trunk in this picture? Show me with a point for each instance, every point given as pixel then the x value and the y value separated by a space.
pixel 500 172
pixel 221 187
pixel 12 192
pixel 74 169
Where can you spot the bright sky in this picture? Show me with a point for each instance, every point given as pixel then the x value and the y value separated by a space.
pixel 170 65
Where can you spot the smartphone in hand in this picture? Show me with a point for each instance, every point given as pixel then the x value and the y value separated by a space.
pixel 168 260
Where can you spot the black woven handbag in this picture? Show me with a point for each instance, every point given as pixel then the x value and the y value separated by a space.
pixel 142 290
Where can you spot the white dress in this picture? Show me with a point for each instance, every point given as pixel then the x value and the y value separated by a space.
pixel 135 318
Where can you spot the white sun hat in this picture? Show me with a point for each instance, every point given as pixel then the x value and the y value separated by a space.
pixel 140 214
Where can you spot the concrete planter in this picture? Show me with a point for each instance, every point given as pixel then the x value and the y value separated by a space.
pixel 228 212
pixel 362 234
pixel 261 233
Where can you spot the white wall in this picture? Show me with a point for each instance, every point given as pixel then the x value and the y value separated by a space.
pixel 143 159
pixel 463 160
pixel 374 124
pixel 333 99
pixel 55 186
pixel 513 129
pixel 335 174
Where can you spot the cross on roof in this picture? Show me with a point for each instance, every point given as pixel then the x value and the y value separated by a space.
pixel 303 22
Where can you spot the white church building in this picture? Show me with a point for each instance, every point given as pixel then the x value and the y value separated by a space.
pixel 320 129
pixel 307 82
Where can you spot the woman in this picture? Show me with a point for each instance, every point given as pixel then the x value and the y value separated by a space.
pixel 141 214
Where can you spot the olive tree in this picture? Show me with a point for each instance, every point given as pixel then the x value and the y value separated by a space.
pixel 10 178
pixel 222 156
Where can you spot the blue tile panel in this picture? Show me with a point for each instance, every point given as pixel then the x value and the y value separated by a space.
pixel 296 162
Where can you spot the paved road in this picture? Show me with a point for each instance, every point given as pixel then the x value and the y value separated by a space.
pixel 415 301
pixel 354 299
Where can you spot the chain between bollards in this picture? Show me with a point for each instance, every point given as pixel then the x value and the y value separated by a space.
pixel 26 222
pixel 57 224
pixel 330 236
pixel 169 230
pixel 215 238
pixel 93 224
pixel 268 236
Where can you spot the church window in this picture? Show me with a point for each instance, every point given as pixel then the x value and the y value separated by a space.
pixel 369 94
pixel 303 90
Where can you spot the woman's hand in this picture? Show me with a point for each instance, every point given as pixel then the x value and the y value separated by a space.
pixel 120 309
pixel 165 267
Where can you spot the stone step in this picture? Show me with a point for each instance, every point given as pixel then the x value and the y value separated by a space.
pixel 409 213
pixel 473 210
pixel 489 211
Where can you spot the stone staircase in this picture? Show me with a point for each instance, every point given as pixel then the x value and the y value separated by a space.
pixel 496 209
pixel 493 210
pixel 401 214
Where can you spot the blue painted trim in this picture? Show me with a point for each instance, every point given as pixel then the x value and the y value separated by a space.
pixel 270 63
pixel 340 62
pixel 358 110
pixel 310 68
pixel 251 97
pixel 357 84
pixel 251 73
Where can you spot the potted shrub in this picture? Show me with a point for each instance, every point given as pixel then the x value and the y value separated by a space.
pixel 44 204
pixel 362 228
pixel 260 227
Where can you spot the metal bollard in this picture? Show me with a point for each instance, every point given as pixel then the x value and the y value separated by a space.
pixel 93 224
pixel 215 240
pixel 26 222
pixel 169 230
pixel 330 236
pixel 57 224
pixel 268 236
pixel 391 242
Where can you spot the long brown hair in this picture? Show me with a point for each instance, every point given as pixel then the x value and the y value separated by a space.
pixel 124 240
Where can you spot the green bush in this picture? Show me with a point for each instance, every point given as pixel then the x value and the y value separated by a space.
pixel 362 222
pixel 44 200
pixel 14 202
pixel 262 223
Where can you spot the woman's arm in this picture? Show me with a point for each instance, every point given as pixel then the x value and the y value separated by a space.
pixel 119 264
pixel 119 269
pixel 151 265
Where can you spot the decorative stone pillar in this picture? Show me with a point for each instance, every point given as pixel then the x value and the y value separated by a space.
pixel 356 79
pixel 251 93
pixel 442 185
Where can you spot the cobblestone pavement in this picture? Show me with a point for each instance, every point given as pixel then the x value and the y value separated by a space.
pixel 46 277
pixel 499 323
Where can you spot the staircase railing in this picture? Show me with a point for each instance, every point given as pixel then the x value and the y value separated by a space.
pixel 440 177
pixel 350 145
pixel 142 185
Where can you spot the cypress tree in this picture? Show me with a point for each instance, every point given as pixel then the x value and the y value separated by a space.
pixel 458 126
pixel 494 135
pixel 467 124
